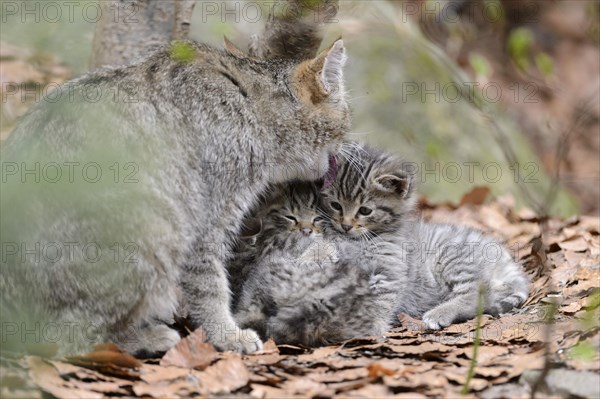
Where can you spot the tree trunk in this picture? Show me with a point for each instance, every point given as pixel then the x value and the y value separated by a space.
pixel 294 29
pixel 130 29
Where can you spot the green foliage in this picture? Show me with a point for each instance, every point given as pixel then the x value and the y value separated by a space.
pixel 310 4
pixel 183 52
pixel 520 42
pixel 590 319
pixel 494 11
pixel 583 351
pixel 544 63
pixel 480 65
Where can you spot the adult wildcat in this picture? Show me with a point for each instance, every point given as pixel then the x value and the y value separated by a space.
pixel 181 143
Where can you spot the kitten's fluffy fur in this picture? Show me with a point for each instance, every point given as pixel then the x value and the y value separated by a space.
pixel 205 131
pixel 302 283
pixel 375 259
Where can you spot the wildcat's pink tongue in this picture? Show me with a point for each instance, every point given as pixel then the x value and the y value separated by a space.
pixel 331 174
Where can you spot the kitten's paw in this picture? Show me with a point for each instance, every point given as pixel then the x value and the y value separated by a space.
pixel 435 319
pixel 237 340
pixel 319 254
pixel 380 283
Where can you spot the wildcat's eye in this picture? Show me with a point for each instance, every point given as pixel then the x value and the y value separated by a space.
pixel 291 218
pixel 363 210
pixel 336 206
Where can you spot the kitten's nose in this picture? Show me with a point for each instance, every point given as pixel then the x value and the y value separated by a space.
pixel 347 227
pixel 306 231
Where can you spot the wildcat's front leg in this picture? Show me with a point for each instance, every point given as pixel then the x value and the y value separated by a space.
pixel 207 295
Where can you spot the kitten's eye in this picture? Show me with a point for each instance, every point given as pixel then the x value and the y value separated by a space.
pixel 318 219
pixel 363 210
pixel 293 219
pixel 336 206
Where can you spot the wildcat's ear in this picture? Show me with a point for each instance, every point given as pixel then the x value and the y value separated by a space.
pixel 393 184
pixel 332 70
pixel 322 78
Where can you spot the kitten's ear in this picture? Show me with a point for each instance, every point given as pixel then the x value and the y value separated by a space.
pixel 393 184
pixel 232 48
pixel 322 78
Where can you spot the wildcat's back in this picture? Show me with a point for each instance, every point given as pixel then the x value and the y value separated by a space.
pixel 157 174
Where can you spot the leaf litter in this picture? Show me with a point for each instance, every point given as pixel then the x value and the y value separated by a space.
pixel 407 362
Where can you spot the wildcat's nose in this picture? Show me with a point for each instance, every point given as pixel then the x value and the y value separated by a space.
pixel 306 231
pixel 347 227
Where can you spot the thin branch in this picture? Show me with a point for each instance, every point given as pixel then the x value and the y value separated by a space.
pixel 476 341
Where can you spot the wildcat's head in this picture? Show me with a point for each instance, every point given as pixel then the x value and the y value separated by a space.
pixel 292 212
pixel 372 195
pixel 303 109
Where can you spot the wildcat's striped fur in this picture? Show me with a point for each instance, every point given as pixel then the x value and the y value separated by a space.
pixel 207 133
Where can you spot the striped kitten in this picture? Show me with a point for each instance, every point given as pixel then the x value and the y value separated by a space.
pixel 443 266
pixel 303 284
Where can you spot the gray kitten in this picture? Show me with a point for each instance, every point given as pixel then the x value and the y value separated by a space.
pixel 167 156
pixel 446 265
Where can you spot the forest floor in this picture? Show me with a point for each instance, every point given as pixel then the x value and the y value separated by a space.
pixel 563 262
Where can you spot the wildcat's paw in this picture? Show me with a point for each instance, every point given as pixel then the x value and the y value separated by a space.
pixel 436 319
pixel 237 340
pixel 148 341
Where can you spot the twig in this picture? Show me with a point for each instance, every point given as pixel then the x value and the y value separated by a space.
pixel 476 340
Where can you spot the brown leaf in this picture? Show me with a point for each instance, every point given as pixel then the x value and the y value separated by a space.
pixel 106 357
pixel 575 244
pixel 341 375
pixel 225 376
pixel 410 380
pixel 47 378
pixel 270 346
pixel 476 196
pixel 306 387
pixel 153 374
pixel 191 352
pixel 425 347
pixel 369 391
pixel 377 370
pixel 318 354
pixel 571 308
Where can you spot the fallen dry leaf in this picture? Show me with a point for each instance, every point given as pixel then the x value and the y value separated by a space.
pixel 477 196
pixel 225 376
pixel 575 244
pixel 48 379
pixel 191 352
